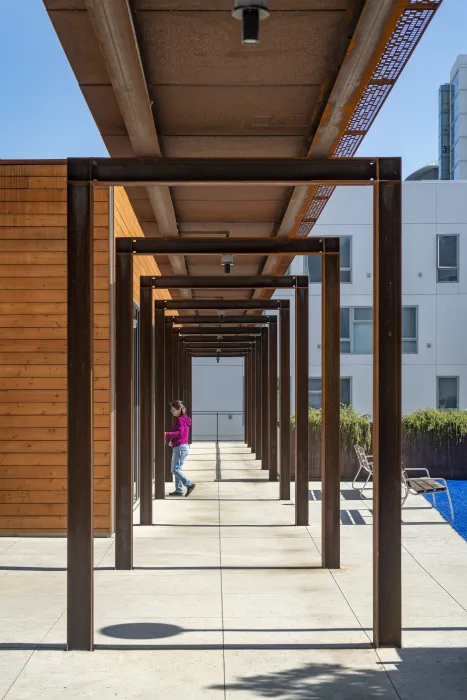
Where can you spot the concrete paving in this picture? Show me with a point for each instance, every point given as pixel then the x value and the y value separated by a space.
pixel 228 601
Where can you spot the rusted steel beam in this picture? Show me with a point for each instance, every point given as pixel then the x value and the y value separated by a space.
pixel 184 321
pixel 387 413
pixel 222 282
pixel 220 304
pixel 330 432
pixel 220 355
pixel 191 172
pixel 228 338
pixel 80 467
pixel 221 246
pixel 210 331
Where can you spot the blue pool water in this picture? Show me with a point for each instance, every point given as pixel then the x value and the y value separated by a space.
pixel 458 491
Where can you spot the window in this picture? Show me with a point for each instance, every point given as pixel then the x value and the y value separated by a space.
pixel 448 258
pixel 313 266
pixel 356 330
pixel 315 391
pixel 448 392
pixel 409 330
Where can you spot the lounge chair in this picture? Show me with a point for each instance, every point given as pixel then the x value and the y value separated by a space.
pixel 416 486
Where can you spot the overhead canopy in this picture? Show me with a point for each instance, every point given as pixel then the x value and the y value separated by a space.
pixel 171 78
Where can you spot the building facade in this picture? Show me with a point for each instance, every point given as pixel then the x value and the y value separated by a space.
pixel 453 123
pixel 434 300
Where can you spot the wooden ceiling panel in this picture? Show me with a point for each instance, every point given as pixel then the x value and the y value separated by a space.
pixel 217 110
pixel 232 209
pixel 234 146
pixel 226 5
pixel 204 48
pixel 213 194
pixel 84 54
pixel 235 228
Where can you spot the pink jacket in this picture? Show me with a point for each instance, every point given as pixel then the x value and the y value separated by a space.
pixel 181 431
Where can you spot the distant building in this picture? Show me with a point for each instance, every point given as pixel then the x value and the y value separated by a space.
pixel 434 328
pixel 428 172
pixel 453 123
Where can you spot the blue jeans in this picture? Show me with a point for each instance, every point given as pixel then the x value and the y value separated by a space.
pixel 179 455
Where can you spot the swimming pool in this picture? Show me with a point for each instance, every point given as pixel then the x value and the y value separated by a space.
pixel 458 491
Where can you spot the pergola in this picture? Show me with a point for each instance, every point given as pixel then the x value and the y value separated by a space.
pixel 384 175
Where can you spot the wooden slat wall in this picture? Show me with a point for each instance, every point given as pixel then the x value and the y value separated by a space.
pixel 33 411
pixel 126 225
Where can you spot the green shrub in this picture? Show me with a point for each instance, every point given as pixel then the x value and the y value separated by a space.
pixel 355 428
pixel 448 424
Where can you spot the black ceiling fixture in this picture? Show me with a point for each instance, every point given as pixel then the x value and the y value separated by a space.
pixel 250 12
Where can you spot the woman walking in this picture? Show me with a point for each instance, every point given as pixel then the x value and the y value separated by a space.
pixel 179 437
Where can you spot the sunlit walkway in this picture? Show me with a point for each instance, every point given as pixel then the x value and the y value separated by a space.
pixel 227 600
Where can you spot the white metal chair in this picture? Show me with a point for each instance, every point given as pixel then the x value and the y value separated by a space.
pixel 416 486
pixel 424 486
pixel 365 464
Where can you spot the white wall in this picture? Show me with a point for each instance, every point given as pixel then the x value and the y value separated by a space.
pixel 217 388
pixel 429 208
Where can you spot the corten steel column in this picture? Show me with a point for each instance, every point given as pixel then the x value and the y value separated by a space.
pixel 80 271
pixel 258 400
pixel 190 393
pixel 124 481
pixel 168 364
pixel 330 432
pixel 264 398
pixel 252 398
pixel 160 404
pixel 273 401
pixel 176 355
pixel 284 398
pixel 246 399
pixel 387 414
pixel 146 406
pixel 301 401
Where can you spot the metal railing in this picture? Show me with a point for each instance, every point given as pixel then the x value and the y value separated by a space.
pixel 216 431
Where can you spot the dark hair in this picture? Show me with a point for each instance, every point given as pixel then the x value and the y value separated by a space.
pixel 178 405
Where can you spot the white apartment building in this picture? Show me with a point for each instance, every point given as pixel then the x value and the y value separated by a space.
pixel 434 306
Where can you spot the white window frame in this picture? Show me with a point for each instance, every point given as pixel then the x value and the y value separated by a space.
pixel 347 269
pixel 411 340
pixel 341 269
pixel 315 392
pixel 446 376
pixel 352 322
pixel 350 340
pixel 447 267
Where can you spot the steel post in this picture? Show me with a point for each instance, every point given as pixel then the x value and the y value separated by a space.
pixel 160 404
pixel 124 480
pixel 387 413
pixel 284 397
pixel 80 468
pixel 146 406
pixel 272 438
pixel 330 431
pixel 301 401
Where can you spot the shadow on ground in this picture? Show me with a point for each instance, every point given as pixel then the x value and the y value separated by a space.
pixel 407 674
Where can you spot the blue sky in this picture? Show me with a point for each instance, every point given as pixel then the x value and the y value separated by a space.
pixel 43 114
